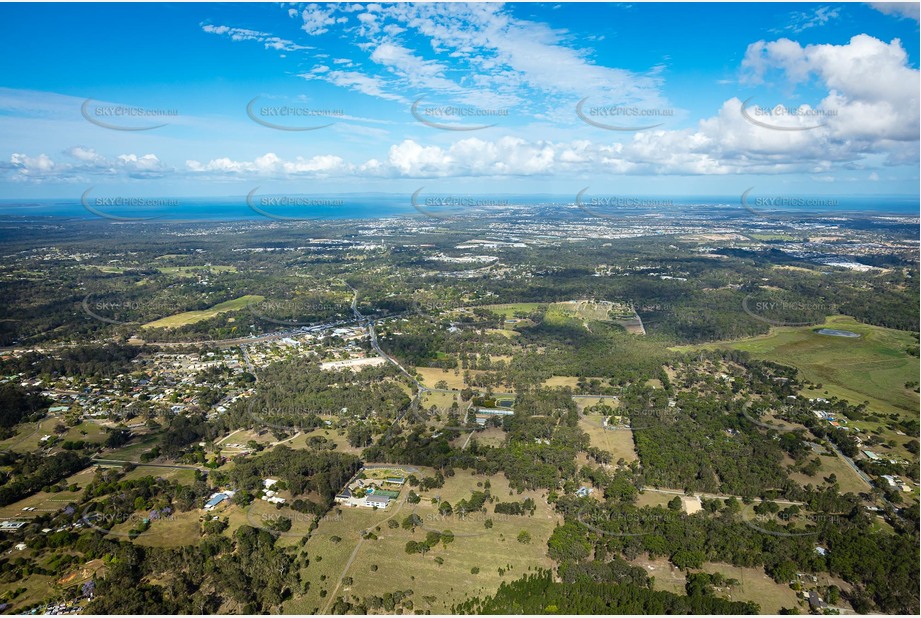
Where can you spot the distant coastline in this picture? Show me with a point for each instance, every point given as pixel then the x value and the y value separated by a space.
pixel 383 206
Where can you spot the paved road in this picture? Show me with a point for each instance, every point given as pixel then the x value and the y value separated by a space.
pixel 372 334
pixel 866 479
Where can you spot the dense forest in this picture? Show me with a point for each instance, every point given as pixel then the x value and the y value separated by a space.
pixel 539 594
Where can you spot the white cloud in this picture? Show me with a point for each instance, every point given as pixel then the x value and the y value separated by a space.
pixel 271 165
pixel 872 89
pixel 911 10
pixel 245 34
pixel 316 19
pixel 359 82
pixel 86 155
pixel 819 16
pixel 499 60
pixel 85 164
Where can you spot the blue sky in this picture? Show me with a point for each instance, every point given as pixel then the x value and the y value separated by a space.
pixel 677 99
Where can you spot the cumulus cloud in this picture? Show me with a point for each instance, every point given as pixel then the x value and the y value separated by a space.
pixel 910 10
pixel 271 165
pixel 872 89
pixel 316 19
pixel 81 164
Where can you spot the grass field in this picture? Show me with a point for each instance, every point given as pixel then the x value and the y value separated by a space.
pixel 133 451
pixel 848 480
pixel 441 401
pixel 178 530
pixel 95 433
pixel 191 317
pixel 590 401
pixel 561 382
pixel 110 270
pixel 492 436
pixel 509 310
pixel 652 498
pixel 186 476
pixel 48 502
pixel 618 443
pixel 38 588
pixel 436 587
pixel 874 367
pixel 28 434
pixel 754 584
pixel 341 441
pixel 432 375
pixel 191 271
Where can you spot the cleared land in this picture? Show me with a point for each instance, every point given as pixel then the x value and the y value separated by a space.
pixel 191 317
pixel 45 502
pixel 432 375
pixel 509 310
pixel 754 584
pixel 191 271
pixel 848 480
pixel 335 436
pixel 873 367
pixel 619 443
pixel 436 587
pixel 561 382
pixel 441 401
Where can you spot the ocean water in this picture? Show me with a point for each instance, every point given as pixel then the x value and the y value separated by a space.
pixel 333 207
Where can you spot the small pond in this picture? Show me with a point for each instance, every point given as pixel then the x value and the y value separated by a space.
pixel 834 332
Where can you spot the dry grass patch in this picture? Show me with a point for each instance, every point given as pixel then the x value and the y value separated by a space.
pixel 619 443
pixel 436 587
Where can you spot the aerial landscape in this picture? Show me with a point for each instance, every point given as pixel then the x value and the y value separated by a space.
pixel 442 309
